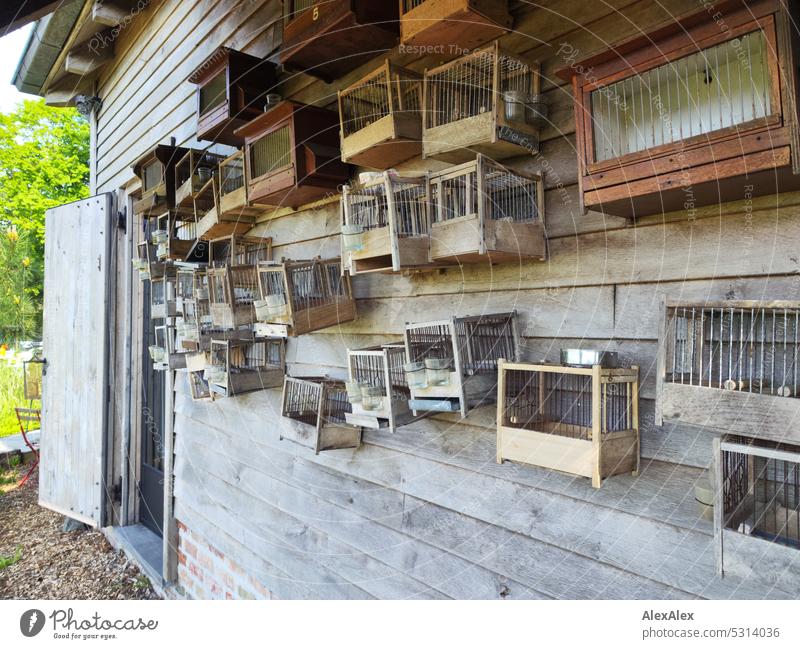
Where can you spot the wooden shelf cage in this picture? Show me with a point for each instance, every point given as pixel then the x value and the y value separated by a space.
pixel 314 411
pixel 482 210
pixel 193 172
pixel 236 366
pixel 234 204
pixel 451 365
pixel 328 38
pixel 386 225
pixel 466 24
pixel 165 352
pixel 233 290
pixel 731 365
pixel 163 303
pixel 298 297
pixel 176 240
pixel 231 90
pixel 377 388
pixel 156 171
pixel 381 118
pixel 292 155
pixel 482 103
pixel 237 250
pixel 579 420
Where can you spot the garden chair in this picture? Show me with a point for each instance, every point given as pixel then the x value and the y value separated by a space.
pixel 26 416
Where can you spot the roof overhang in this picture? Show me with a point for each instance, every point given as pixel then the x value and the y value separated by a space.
pixel 16 14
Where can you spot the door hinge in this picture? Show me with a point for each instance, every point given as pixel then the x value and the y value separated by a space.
pixel 122 221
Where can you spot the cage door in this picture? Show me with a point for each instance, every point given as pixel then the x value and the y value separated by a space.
pixel 78 281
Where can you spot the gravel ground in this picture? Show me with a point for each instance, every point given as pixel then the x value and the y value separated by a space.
pixel 54 564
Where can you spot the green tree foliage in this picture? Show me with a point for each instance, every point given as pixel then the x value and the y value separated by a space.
pixel 44 162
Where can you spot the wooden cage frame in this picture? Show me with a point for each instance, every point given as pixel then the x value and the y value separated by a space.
pixel 245 81
pixel 192 173
pixel 329 38
pixel 598 450
pixel 233 291
pixel 465 232
pixel 238 250
pixel 166 340
pixel 198 386
pixel 395 223
pixel 163 302
pixel 380 366
pixel 265 371
pixel 292 155
pixel 313 411
pixel 487 130
pixel 32 371
pixel 175 240
pixel 156 171
pixel 328 299
pixel 391 130
pixel 473 374
pixel 713 372
pixel 465 23
pixel 234 204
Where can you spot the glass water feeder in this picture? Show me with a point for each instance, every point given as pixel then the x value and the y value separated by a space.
pixel 353 237
pixel 416 376
pixel 157 354
pixel 372 397
pixel 437 370
pixel 353 391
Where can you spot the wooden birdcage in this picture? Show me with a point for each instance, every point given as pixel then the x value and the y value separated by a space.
pixel 381 118
pixel 237 250
pixel 466 24
pixel 198 329
pixel 192 173
pixel 298 297
pixel 32 378
pixel 156 171
pixel 199 387
pixel 231 90
pixel 292 155
pixel 579 420
pixel 163 302
pixel 176 240
pixel 452 364
pixel 234 204
pixel 165 352
pixel 386 225
pixel 314 411
pixel 481 103
pixel 757 505
pixel 377 388
pixel 482 210
pixel 236 366
pixel 731 365
pixel 233 291
pixel 146 262
pixel 328 38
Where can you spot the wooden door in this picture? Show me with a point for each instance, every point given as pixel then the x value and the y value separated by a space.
pixel 78 279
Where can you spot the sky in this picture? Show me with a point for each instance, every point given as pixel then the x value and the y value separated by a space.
pixel 11 47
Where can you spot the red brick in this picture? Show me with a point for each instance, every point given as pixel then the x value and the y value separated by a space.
pixel 195 570
pixel 206 562
pixel 228 580
pixel 234 568
pixel 190 548
pixel 216 552
pixel 181 526
pixel 181 558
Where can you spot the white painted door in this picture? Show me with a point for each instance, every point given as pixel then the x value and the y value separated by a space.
pixel 78 277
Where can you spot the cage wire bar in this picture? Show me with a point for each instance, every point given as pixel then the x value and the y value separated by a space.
pixel 239 366
pixel 380 367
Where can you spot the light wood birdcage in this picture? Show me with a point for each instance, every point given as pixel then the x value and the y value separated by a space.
pixel 234 204
pixel 465 24
pixel 156 171
pixel 163 302
pixel 314 414
pixel 386 225
pixel 482 210
pixel 298 297
pixel 192 173
pixel 381 118
pixel 579 420
pixel 238 250
pixel 481 103
pixel 236 366
pixel 233 291
pixel 32 377
pixel 732 365
pixel 165 351
pixel 452 364
pixel 176 239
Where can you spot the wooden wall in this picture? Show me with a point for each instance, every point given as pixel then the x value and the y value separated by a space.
pixel 389 520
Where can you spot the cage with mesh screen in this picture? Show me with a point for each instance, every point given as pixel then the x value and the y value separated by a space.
pixel 485 102
pixel 466 24
pixel 232 292
pixel 292 155
pixel 481 210
pixel 579 420
pixel 328 38
pixel 234 203
pixel 163 302
pixel 451 365
pixel 381 118
pixel 732 365
pixel 235 367
pixel 231 90
pixel 314 414
pixel 297 297
pixel 192 173
pixel 156 171
pixel 386 224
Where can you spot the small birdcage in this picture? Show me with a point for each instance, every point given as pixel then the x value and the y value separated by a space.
pixel 377 388
pixel 232 292
pixel 156 171
pixel 192 173
pixel 146 263
pixel 482 210
pixel 731 365
pixel 381 118
pixel 237 366
pixel 579 420
pixel 314 411
pixel 465 24
pixel 481 103
pixel 298 297
pixel 231 89
pixel 451 365
pixel 32 371
pixel 386 225
pixel 292 155
pixel 163 302
pixel 758 483
pixel 175 239
pixel 199 387
pixel 328 38
pixel 237 250
pixel 164 351
pixel 234 204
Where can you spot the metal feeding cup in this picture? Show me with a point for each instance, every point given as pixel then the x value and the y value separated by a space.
pixel 589 358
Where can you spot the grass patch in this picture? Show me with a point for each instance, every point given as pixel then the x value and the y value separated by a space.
pixel 11 559
pixel 12 396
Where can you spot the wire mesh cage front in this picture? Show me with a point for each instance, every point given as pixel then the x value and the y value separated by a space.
pixel 197 166
pixel 240 366
pixel 761 489
pixel 271 152
pixel 240 251
pixel 310 400
pixel 377 366
pixel 749 347
pixel 231 174
pixel 371 205
pixel 233 286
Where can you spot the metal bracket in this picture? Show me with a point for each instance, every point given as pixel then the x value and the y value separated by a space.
pixel 122 220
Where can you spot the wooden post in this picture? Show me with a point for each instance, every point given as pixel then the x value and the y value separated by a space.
pixel 596 426
pixel 634 404
pixel 661 362
pixel 716 465
pixel 501 403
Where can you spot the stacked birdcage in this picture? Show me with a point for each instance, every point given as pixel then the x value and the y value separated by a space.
pixel 238 366
pixel 377 388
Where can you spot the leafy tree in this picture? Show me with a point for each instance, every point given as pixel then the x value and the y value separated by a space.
pixel 20 286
